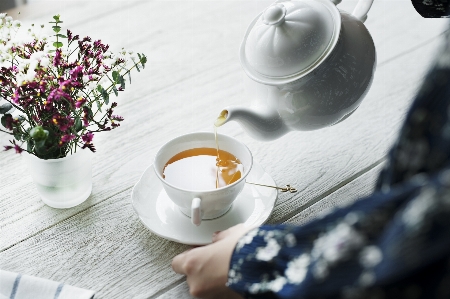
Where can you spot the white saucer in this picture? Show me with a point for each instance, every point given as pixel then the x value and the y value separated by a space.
pixel 159 214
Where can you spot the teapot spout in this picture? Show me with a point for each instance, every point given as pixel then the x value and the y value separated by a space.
pixel 258 122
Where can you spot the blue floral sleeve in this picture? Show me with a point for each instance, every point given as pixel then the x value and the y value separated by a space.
pixel 392 244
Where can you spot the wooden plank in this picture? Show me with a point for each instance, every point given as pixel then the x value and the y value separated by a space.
pixel 310 160
pixel 358 188
pixel 107 249
pixel 16 256
pixel 101 244
pixel 104 248
pixel 349 193
pixel 19 197
pixel 181 291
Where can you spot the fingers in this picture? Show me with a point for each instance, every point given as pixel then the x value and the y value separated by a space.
pixel 179 262
pixel 216 236
pixel 206 268
pixel 220 235
pixel 235 232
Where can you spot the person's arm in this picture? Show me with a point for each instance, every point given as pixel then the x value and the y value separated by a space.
pixel 387 242
pixel 395 240
pixel 206 268
pixel 392 244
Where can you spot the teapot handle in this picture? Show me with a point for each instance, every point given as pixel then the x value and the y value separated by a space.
pixel 361 9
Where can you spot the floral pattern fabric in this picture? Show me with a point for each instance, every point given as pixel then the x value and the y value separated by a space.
pixel 432 8
pixel 392 244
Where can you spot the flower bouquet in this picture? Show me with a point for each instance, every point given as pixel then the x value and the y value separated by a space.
pixel 60 85
pixel 54 96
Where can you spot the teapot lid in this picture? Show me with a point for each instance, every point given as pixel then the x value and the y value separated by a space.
pixel 289 39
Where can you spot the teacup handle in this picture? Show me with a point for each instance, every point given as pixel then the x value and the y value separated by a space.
pixel 361 9
pixel 196 212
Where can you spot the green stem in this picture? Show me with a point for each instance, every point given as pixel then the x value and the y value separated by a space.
pixel 6 132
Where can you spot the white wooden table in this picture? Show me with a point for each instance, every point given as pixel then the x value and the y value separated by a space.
pixel 193 72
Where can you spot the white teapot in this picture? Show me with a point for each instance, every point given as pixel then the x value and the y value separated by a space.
pixel 310 66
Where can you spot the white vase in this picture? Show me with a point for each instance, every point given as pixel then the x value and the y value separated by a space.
pixel 65 182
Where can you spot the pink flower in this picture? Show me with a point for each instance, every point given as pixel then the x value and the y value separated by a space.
pixel 80 102
pixel 86 115
pixel 66 138
pixel 87 137
pixel 75 73
pixel 69 35
pixel 57 58
pixel 64 123
pixel 16 96
pixel 116 117
pixel 57 94
pixel 17 148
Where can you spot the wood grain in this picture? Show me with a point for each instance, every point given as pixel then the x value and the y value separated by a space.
pixel 358 188
pixel 104 248
pixel 193 72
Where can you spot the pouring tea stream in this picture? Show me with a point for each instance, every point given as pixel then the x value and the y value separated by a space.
pixel 310 66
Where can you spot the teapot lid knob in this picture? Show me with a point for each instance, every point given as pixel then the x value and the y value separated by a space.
pixel 289 39
pixel 274 14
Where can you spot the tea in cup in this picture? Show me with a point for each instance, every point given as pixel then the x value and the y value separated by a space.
pixel 200 179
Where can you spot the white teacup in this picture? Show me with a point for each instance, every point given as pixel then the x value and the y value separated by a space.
pixel 203 204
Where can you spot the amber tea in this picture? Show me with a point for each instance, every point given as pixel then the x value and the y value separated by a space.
pixel 202 169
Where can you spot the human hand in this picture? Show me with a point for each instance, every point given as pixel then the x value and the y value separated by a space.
pixel 206 268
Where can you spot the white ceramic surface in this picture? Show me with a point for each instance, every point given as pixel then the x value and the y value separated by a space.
pixel 65 182
pixel 212 203
pixel 159 214
pixel 291 37
pixel 316 96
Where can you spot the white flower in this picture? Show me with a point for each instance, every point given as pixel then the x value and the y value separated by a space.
pixel 37 55
pixel 320 269
pixel 85 78
pixel 351 218
pixel 108 62
pixel 337 244
pixel 297 268
pixel 20 79
pixel 30 75
pixel 45 61
pixel 417 209
pixel 3 62
pixel 16 24
pixel 290 240
pixel 5 59
pixel 370 256
pixel 2 16
pixel 101 69
pixel 277 284
pixel 367 279
pixel 247 239
pixel 269 252
pixel 254 288
pixel 47 48
pixel 33 64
